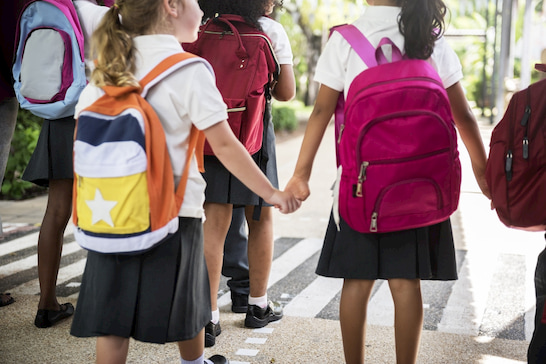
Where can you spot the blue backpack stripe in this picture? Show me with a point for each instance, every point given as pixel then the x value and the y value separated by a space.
pixel 95 130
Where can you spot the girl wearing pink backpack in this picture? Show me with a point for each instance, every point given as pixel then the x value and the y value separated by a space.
pixel 405 257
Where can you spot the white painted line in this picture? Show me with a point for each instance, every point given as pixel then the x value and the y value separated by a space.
pixel 247 352
pixel 256 340
pixel 292 258
pixel 264 330
pixel 381 307
pixel 66 273
pixel 32 261
pixel 284 264
pixel 26 242
pixel 467 303
pixel 238 362
pixel 314 297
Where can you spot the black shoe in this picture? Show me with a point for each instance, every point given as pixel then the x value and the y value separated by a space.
pixel 218 359
pixel 48 318
pixel 211 331
pixel 257 317
pixel 239 302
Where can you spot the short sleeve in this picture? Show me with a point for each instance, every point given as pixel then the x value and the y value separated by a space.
pixel 447 63
pixel 332 64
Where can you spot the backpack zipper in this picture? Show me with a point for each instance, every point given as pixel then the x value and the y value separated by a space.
pixel 390 116
pixel 365 164
pixel 221 34
pixel 375 213
pixel 342 125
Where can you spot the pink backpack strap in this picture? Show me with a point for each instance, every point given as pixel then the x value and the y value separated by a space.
pixel 359 43
pixel 368 53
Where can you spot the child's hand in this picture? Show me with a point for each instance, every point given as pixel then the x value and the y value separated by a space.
pixel 284 201
pixel 299 187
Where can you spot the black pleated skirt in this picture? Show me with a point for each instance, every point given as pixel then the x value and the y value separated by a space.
pixel 52 157
pixel 426 253
pixel 159 296
pixel 223 187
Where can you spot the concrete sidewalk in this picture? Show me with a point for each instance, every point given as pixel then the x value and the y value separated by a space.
pixel 291 340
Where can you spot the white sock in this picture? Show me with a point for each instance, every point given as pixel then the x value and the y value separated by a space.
pixel 199 360
pixel 258 301
pixel 215 316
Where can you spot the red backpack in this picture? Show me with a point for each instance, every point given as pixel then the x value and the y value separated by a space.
pixel 245 65
pixel 396 143
pixel 516 168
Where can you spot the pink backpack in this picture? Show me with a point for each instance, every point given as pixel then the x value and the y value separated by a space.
pixel 396 143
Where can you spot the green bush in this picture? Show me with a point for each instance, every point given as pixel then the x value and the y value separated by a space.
pixel 284 118
pixel 23 143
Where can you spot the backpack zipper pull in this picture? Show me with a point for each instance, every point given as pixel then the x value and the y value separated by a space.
pixel 341 127
pixel 508 166
pixel 526 115
pixel 373 225
pixel 525 147
pixel 361 178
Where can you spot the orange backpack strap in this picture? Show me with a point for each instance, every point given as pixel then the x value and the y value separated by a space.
pixel 197 137
pixel 195 146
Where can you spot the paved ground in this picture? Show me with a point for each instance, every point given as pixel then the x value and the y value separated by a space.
pixel 480 238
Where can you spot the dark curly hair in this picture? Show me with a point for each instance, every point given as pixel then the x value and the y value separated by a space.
pixel 251 10
pixel 422 23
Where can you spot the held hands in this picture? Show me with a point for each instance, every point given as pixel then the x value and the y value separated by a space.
pixel 299 187
pixel 284 201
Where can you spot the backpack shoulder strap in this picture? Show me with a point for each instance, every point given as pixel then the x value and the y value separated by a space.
pixel 368 53
pixel 197 137
pixel 360 44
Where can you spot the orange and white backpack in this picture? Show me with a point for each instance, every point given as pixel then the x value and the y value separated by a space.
pixel 124 199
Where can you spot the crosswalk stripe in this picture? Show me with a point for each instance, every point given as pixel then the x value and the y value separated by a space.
pixel 65 274
pixel 467 303
pixel 314 297
pixel 32 261
pixel 27 241
pixel 477 304
pixel 284 264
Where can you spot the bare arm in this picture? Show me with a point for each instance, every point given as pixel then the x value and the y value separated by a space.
pixel 285 87
pixel 321 115
pixel 236 159
pixel 470 134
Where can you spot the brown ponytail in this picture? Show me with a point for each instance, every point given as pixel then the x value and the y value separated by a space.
pixel 113 40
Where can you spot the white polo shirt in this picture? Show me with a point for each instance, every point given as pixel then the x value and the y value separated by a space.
pixel 338 64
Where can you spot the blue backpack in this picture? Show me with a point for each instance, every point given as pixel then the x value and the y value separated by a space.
pixel 49 69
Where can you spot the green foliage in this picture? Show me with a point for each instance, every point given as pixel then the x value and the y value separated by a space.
pixel 284 117
pixel 23 143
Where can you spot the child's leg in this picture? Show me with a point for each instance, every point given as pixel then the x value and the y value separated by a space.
pixel 408 318
pixel 260 249
pixel 50 240
pixel 353 307
pixel 215 228
pixel 193 348
pixel 112 349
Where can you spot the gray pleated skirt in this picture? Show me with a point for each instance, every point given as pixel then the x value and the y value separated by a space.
pixel 159 296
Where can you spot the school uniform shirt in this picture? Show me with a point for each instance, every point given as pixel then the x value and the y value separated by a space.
pixel 90 15
pixel 279 39
pixel 338 64
pixel 185 97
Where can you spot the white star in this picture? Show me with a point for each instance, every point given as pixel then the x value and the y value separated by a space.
pixel 100 209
